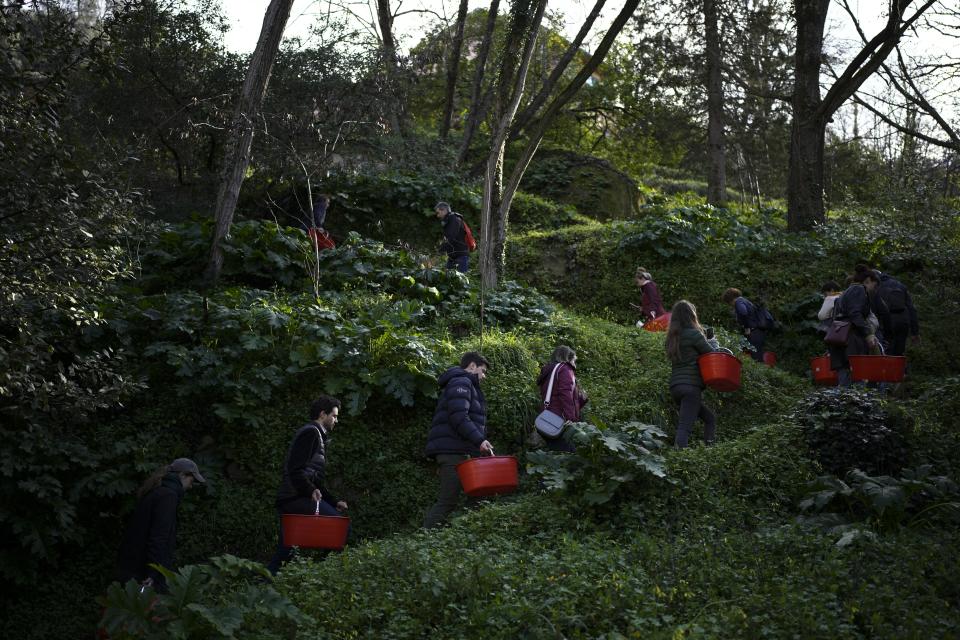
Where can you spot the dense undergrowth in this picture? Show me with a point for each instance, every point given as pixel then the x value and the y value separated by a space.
pixel 624 539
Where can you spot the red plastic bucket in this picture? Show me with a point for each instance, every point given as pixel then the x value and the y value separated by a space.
pixel 822 373
pixel 315 532
pixel 877 368
pixel 488 476
pixel 660 323
pixel 720 371
pixel 769 358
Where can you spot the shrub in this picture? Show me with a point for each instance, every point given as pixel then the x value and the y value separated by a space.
pixel 608 463
pixel 216 600
pixel 848 428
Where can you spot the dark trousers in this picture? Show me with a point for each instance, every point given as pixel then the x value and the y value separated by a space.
pixel 460 263
pixel 757 338
pixel 691 407
pixel 302 506
pixel 898 339
pixel 450 490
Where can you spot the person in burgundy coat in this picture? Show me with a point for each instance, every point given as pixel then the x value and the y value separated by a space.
pixel 566 398
pixel 651 305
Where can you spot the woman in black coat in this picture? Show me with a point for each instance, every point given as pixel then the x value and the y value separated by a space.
pixel 151 535
pixel 854 306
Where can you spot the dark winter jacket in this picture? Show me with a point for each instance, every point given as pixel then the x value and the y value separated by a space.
pixel 686 370
pixel 320 213
pixel 460 419
pixel 899 303
pixel 744 311
pixel 853 305
pixel 304 468
pixel 454 236
pixel 151 534
pixel 651 303
pixel 565 399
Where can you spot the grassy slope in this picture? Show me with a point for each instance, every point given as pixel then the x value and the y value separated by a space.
pixel 719 557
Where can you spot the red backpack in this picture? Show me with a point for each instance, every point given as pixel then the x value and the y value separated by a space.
pixel 468 238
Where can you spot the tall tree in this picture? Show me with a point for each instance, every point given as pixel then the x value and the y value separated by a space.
pixel 716 149
pixel 395 109
pixel 477 107
pixel 498 196
pixel 453 67
pixel 812 113
pixel 237 157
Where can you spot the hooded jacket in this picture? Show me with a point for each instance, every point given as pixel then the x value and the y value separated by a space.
pixel 460 420
pixel 151 534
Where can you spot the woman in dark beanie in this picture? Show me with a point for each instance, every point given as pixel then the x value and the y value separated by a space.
pixel 151 535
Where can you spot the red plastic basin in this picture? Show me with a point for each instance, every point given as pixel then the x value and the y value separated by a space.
pixel 877 368
pixel 720 371
pixel 660 323
pixel 315 532
pixel 822 373
pixel 489 476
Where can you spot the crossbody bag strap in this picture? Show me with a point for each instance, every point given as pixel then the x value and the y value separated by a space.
pixel 553 376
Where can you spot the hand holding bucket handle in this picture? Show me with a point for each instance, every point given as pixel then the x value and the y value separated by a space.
pixel 486 447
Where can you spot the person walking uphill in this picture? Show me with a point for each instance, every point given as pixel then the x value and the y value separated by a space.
pixel 566 397
pixel 685 343
pixel 458 430
pixel 151 535
pixel 748 319
pixel 454 238
pixel 903 315
pixel 651 305
pixel 854 306
pixel 302 489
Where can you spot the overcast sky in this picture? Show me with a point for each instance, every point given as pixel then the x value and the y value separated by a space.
pixel 246 17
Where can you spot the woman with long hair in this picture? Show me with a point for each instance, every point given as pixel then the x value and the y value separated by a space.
pixel 685 343
pixel 151 534
pixel 566 397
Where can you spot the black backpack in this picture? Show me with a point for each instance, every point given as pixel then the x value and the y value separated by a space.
pixel 761 318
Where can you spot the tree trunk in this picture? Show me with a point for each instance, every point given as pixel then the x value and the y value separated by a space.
pixel 394 106
pixel 476 95
pixel 805 179
pixel 453 68
pixel 237 157
pixel 511 82
pixel 499 216
pixel 717 172
pixel 811 114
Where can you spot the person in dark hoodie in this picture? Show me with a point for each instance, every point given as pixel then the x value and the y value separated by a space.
pixel 151 534
pixel 458 430
pixel 302 489
pixel 454 238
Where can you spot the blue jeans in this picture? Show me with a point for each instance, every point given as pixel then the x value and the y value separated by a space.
pixel 283 552
pixel 460 263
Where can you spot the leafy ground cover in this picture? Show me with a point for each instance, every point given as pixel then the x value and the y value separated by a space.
pixel 624 539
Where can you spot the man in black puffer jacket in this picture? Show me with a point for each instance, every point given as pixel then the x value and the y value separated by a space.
pixel 302 487
pixel 459 430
